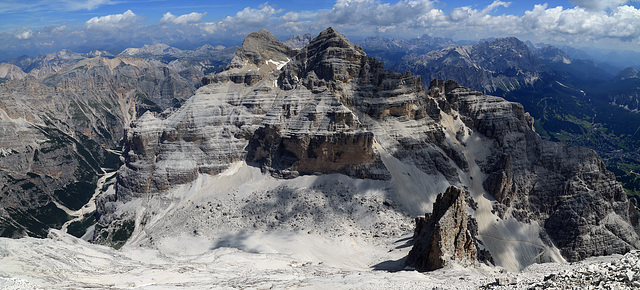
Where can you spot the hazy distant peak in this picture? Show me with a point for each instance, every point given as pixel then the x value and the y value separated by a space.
pixel 208 47
pixel 152 49
pixel 553 54
pixel 506 42
pixel 298 41
pixel 627 73
pixel 96 53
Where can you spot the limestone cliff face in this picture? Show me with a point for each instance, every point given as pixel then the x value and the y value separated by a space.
pixel 329 108
pixel 58 127
pixel 551 183
pixel 244 115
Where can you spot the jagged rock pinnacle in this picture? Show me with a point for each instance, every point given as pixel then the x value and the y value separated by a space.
pixel 447 234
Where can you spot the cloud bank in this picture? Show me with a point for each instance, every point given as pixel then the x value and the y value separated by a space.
pixel 590 22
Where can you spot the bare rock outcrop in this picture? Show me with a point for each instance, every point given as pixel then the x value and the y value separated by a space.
pixel 446 235
pixel 261 54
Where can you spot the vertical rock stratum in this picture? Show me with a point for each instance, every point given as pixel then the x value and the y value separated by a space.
pixel 446 235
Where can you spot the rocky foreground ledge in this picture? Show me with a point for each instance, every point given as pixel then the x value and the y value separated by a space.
pixel 618 274
pixel 62 261
pixel 609 272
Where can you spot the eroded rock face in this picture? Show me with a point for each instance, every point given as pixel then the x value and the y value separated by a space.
pixel 567 189
pixel 261 48
pixel 445 235
pixel 288 132
pixel 329 108
pixel 307 154
pixel 58 123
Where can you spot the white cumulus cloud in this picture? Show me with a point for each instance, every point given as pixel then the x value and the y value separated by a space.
pixel 460 13
pixel 251 17
pixel 623 22
pixel 193 17
pixel 372 12
pixel 24 34
pixel 466 12
pixel 291 16
pixel 114 21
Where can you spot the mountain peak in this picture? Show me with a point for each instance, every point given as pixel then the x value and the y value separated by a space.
pixel 510 42
pixel 328 57
pixel 330 30
pixel 260 47
pixel 553 54
pixel 156 49
pixel 332 38
pixel 627 73
pixel 208 47
pixel 11 71
pixel 262 34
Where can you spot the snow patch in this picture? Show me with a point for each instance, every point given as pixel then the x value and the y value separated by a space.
pixel 279 64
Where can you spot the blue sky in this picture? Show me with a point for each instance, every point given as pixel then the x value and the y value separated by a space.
pixel 35 14
pixel 39 26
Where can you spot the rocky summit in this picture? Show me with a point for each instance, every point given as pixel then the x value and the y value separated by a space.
pixel 325 140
